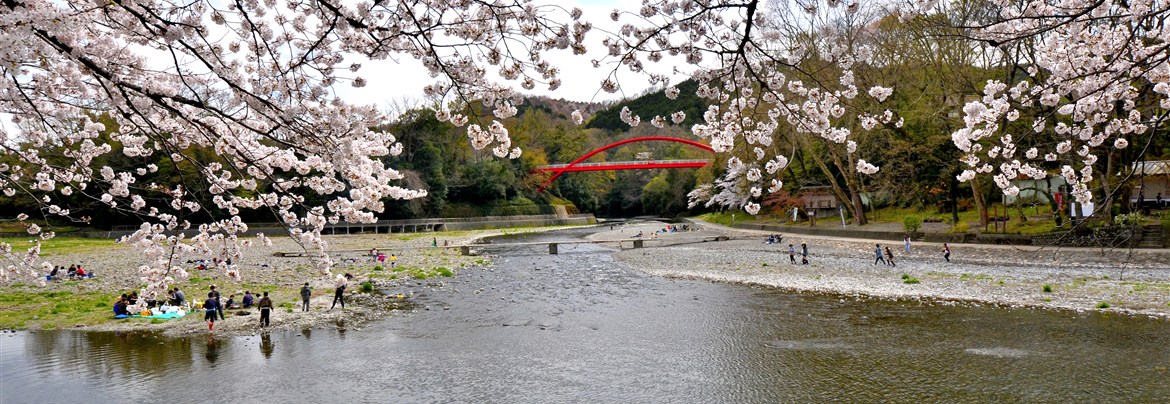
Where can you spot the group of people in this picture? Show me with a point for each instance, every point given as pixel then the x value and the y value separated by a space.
pixel 803 254
pixel 74 272
pixel 122 304
pixel 213 308
pixel 202 264
pixel 381 258
pixel 773 239
pixel 176 297
pixel 882 255
pixel 1159 203
pixel 889 256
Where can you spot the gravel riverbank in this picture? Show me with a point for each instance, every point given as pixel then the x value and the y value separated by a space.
pixel 1135 282
pixel 281 276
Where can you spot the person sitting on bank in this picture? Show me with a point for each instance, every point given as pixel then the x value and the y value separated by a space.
pixel 231 303
pixel 180 298
pixel 81 273
pixel 120 307
pixel 248 299
pixel 53 274
pixel 72 272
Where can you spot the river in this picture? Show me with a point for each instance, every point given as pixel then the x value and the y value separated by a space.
pixel 578 327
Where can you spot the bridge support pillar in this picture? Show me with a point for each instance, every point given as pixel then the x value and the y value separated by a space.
pixel 638 243
pixel 552 248
pixel 465 251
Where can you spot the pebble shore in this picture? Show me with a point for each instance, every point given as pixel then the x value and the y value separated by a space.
pixel 1133 282
pixel 282 277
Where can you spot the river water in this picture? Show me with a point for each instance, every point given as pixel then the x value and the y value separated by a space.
pixel 577 327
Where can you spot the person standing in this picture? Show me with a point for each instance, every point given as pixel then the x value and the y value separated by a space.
pixel 339 293
pixel 877 251
pixel 306 293
pixel 890 257
pixel 792 254
pixel 434 242
pixel 946 252
pixel 218 307
pixel 803 254
pixel 906 241
pixel 210 306
pixel 265 306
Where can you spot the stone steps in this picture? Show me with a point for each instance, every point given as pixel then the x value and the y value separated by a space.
pixel 1151 237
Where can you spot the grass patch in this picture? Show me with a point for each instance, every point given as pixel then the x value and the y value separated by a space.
pixel 1144 286
pixel 367 286
pixel 377 267
pixel 59 245
pixel 909 280
pixel 443 271
pixel 22 309
pixel 198 279
pixel 723 218
pixel 1047 289
pixel 1103 305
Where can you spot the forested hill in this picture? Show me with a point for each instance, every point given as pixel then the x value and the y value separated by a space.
pixel 560 108
pixel 651 104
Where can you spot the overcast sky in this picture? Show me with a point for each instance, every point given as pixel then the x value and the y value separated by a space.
pixel 394 82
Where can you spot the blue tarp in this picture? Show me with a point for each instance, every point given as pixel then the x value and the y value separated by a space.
pixel 165 316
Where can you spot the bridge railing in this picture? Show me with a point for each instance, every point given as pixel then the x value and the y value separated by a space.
pixel 616 163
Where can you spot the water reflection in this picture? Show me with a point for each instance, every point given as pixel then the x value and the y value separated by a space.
pixel 266 345
pixel 213 347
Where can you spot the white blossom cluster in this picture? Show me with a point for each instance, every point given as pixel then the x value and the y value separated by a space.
pixel 748 63
pixel 1093 68
pixel 244 95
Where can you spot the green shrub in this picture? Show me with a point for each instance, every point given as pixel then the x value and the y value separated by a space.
pixel 960 227
pixel 911 224
pixel 443 271
pixel 1103 305
pixel 1129 219
pixel 367 286
pixel 377 267
pixel 1047 289
pixel 909 280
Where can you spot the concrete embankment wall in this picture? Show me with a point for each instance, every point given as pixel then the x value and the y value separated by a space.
pixel 1097 237
pixel 385 226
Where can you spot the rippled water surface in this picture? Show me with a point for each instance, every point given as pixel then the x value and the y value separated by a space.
pixel 576 327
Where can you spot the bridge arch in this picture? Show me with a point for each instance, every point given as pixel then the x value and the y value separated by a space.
pixel 562 170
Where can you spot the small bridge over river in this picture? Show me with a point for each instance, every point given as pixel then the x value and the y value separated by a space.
pixel 577 165
pixel 554 246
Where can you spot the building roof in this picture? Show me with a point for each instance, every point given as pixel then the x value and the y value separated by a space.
pixel 1157 167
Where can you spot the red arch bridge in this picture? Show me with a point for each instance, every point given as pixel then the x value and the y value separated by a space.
pixel 577 165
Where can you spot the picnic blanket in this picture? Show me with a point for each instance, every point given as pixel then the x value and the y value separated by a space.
pixel 165 316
